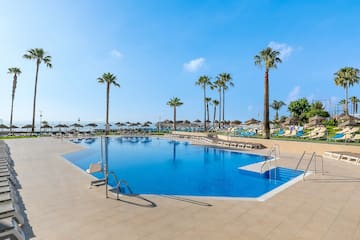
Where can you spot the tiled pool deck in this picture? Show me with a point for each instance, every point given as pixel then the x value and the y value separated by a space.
pixel 59 204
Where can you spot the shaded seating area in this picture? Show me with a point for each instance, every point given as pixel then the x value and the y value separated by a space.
pixel 11 214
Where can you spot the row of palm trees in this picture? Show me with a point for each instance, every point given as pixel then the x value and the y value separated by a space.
pixel 222 84
pixel 40 56
pixel 267 58
pixel 347 77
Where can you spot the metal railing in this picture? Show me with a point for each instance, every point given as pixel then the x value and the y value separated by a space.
pixel 273 156
pixel 300 160
pixel 118 184
pixel 314 158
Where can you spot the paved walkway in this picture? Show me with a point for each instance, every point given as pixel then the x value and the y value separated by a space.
pixel 59 205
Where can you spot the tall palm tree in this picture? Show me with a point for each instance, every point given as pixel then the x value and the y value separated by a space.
pixel 218 84
pixel 204 81
pixel 40 56
pixel 16 71
pixel 207 101
pixel 215 103
pixel 269 58
pixel 174 102
pixel 342 102
pixel 354 101
pixel 109 79
pixel 346 77
pixel 226 82
pixel 276 105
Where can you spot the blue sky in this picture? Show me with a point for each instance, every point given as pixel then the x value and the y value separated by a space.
pixel 158 49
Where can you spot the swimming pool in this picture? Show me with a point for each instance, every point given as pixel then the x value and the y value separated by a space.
pixel 162 166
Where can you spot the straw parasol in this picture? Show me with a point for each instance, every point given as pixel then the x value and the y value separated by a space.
pixel 236 122
pixel 2 126
pixel 93 125
pixel 252 121
pixel 61 126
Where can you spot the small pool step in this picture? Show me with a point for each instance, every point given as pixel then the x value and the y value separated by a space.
pixel 282 174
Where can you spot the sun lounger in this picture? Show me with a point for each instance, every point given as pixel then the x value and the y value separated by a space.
pixel 356 138
pixel 11 209
pixel 9 229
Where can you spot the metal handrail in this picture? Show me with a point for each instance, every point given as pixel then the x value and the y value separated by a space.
pixel 300 160
pixel 276 150
pixel 313 156
pixel 119 183
pixel 268 160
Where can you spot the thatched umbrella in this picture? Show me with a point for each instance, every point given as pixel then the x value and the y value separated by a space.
pixel 61 126
pixel 76 126
pixel 236 122
pixel 316 120
pixel 46 126
pixel 93 125
pixel 252 121
pixel 2 126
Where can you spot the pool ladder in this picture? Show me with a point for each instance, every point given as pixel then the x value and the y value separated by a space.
pixel 314 158
pixel 118 185
pixel 273 156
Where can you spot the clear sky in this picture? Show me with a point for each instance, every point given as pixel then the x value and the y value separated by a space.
pixel 159 48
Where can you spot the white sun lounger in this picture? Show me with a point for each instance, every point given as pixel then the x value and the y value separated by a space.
pixel 9 229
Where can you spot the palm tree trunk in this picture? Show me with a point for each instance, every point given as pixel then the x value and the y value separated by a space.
pixel 11 113
pixel 207 111
pixel 223 107
pixel 346 102
pixel 220 108
pixel 34 103
pixel 353 108
pixel 107 108
pixel 214 116
pixel 204 107
pixel 266 127
pixel 277 115
pixel 174 118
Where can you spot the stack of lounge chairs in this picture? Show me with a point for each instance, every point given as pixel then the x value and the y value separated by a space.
pixel 316 133
pixel 11 217
pixel 347 135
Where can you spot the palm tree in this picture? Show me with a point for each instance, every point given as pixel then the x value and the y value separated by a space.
pixel 16 71
pixel 354 101
pixel 276 105
pixel 346 77
pixel 40 56
pixel 207 101
pixel 269 58
pixel 226 81
pixel 342 103
pixel 215 103
pixel 218 84
pixel 174 102
pixel 109 79
pixel 204 81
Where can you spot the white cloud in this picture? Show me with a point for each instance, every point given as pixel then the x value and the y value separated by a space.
pixel 294 94
pixel 284 49
pixel 194 65
pixel 116 53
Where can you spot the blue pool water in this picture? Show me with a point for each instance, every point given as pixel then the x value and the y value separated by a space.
pixel 160 166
